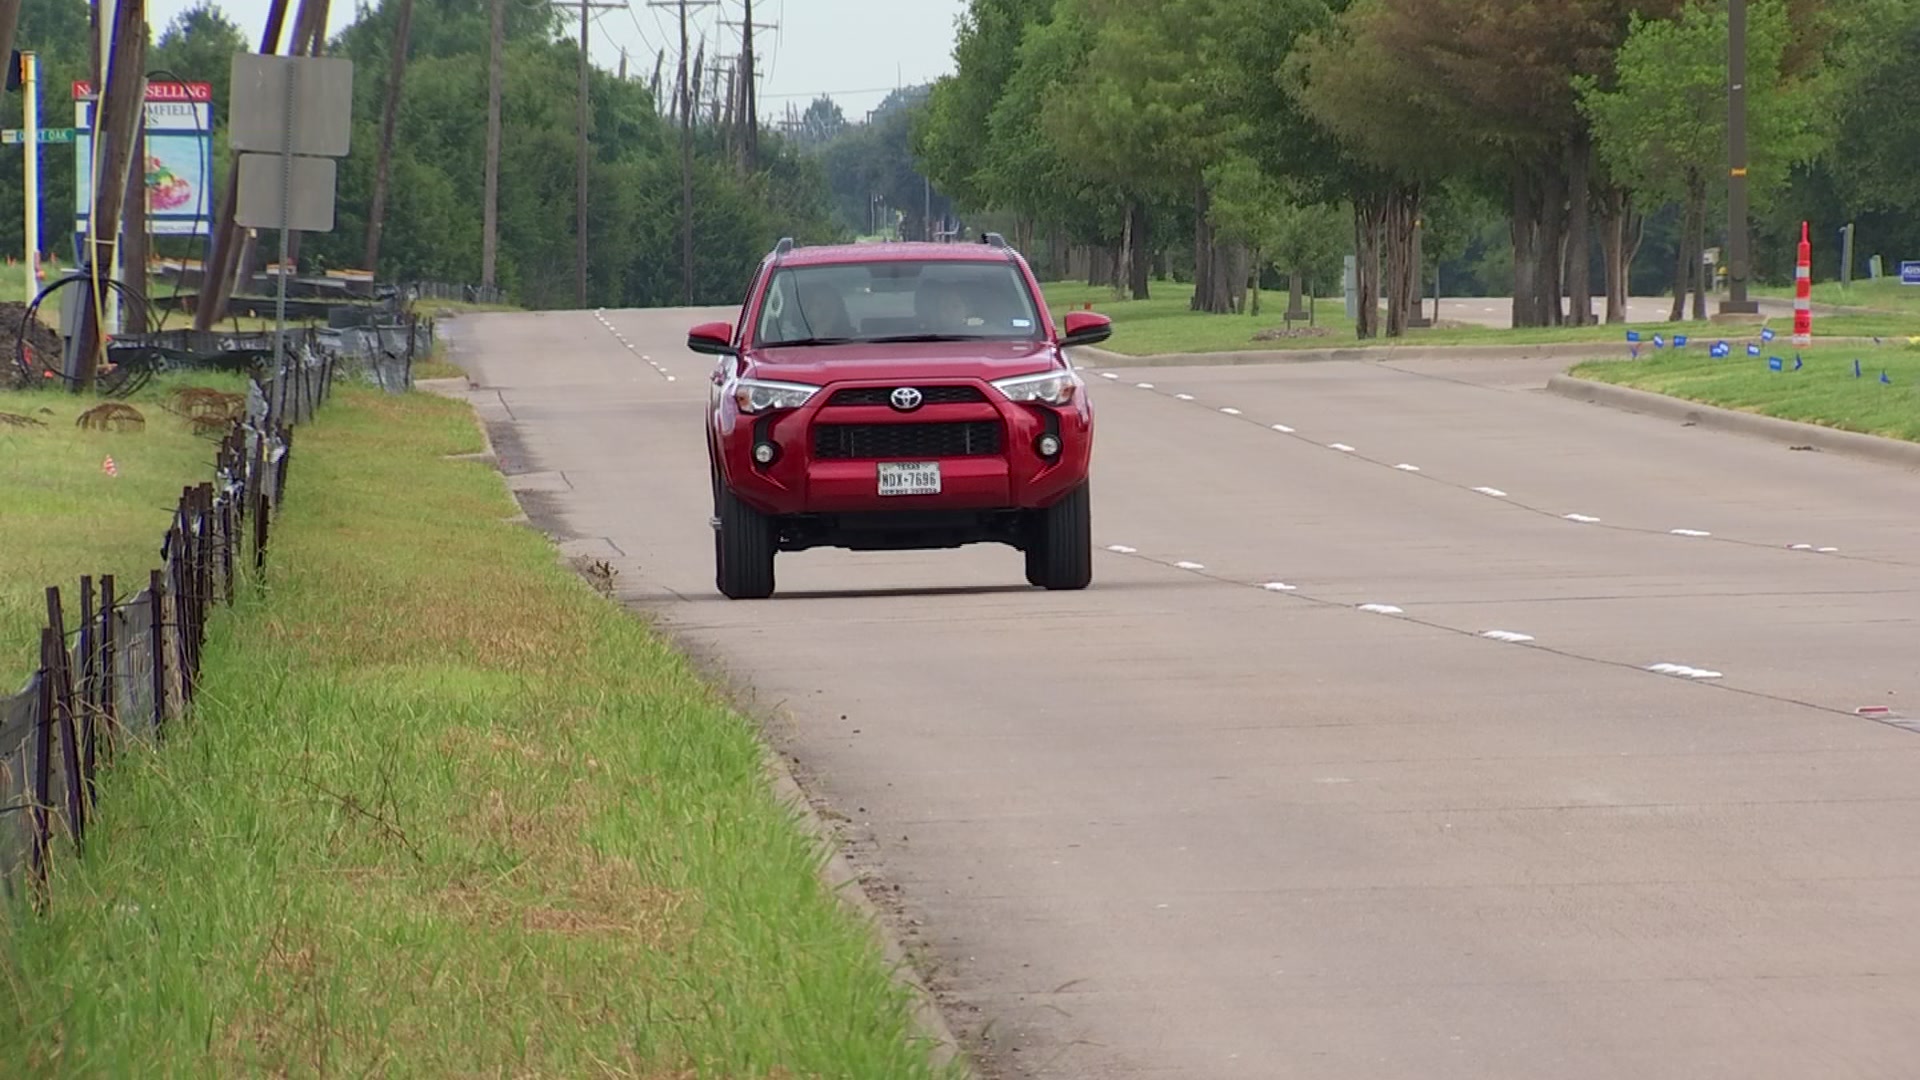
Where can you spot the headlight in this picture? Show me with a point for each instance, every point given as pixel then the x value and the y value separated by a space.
pixel 1051 387
pixel 758 396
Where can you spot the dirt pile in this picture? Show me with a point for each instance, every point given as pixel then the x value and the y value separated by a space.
pixel 43 345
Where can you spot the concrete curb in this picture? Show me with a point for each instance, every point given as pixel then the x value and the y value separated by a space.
pixel 1895 452
pixel 1089 356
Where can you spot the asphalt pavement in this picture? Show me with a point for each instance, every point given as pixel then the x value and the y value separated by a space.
pixel 1418 724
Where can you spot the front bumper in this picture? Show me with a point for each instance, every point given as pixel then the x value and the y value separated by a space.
pixel 800 480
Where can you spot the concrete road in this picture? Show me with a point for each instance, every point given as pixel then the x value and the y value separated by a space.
pixel 1216 817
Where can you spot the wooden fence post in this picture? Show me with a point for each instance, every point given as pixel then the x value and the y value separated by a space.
pixel 156 609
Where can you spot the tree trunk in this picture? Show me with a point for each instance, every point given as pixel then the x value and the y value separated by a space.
pixel 1139 260
pixel 1296 306
pixel 1253 284
pixel 1579 241
pixel 1402 210
pixel 1202 251
pixel 1524 230
pixel 1369 214
pixel 1697 192
pixel 1550 285
pixel 1683 259
pixel 1613 246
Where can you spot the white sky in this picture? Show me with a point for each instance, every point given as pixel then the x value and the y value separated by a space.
pixel 857 49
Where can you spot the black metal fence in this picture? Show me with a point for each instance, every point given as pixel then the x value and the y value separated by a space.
pixel 130 666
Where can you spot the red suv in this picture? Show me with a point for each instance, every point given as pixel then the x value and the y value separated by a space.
pixel 891 396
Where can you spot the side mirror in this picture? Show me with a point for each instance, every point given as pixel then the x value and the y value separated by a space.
pixel 713 339
pixel 1085 328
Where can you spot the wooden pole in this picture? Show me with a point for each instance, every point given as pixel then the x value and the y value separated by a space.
pixel 216 274
pixel 121 109
pixel 396 74
pixel 490 214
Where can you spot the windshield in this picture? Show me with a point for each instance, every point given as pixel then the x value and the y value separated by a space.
pixel 935 300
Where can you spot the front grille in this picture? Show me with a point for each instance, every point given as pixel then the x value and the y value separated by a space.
pixel 920 441
pixel 929 395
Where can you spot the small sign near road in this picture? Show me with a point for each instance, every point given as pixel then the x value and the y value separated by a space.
pixel 16 136
pixel 1910 272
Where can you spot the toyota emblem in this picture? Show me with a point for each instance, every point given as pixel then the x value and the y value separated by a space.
pixel 906 399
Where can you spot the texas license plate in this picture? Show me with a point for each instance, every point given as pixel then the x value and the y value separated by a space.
pixel 909 478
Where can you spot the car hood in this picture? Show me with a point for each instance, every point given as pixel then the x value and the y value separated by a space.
pixel 823 364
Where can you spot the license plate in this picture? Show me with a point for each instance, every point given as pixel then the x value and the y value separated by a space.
pixel 909 478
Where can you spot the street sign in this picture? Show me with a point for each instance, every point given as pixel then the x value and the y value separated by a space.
pixel 321 110
pixel 15 136
pixel 309 193
pixel 1910 273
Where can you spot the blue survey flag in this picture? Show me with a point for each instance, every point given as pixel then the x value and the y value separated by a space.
pixel 1856 367
pixel 1720 350
pixel 1633 335
pixel 1767 334
pixel 1659 342
pixel 1679 341
pixel 1753 350
pixel 1796 361
pixel 1775 363
pixel 1884 379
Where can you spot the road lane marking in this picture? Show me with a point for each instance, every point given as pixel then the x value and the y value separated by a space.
pixel 1340 446
pixel 1279 586
pixel 1191 565
pixel 1684 671
pixel 1382 609
pixel 1584 519
pixel 1404 467
pixel 1283 429
pixel 1510 636
pixel 1689 532
pixel 1494 492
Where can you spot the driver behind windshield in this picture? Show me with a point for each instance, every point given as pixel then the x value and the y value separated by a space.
pixel 943 309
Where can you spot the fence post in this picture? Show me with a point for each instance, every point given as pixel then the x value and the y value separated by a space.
pixel 88 697
pixel 156 610
pixel 41 784
pixel 60 674
pixel 109 669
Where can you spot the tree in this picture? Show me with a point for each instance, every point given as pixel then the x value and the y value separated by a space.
pixel 821 123
pixel 1663 128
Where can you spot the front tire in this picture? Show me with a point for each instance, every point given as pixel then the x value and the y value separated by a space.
pixel 1060 551
pixel 743 549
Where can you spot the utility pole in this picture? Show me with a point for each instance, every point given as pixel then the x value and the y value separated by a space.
pixel 748 111
pixel 1738 259
pixel 580 164
pixel 396 73
pixel 120 107
pixel 9 23
pixel 490 214
pixel 685 106
pixel 216 275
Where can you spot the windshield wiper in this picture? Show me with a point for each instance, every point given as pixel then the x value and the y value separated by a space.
pixel 905 339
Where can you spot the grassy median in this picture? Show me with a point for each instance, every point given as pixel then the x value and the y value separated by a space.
pixel 1163 324
pixel 1824 390
pixel 443 811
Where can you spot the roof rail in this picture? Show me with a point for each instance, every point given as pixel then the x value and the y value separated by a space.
pixel 785 245
pixel 995 239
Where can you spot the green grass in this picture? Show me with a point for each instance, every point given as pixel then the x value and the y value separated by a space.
pixel 1163 324
pixel 1822 392
pixel 1886 294
pixel 62 516
pixel 443 810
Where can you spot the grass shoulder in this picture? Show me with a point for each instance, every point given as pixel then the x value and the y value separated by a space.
pixel 444 810
pixel 1824 390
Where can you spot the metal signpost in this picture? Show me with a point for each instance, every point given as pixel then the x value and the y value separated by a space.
pixel 292 118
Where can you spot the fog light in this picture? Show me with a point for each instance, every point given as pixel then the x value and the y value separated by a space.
pixel 1048 445
pixel 764 453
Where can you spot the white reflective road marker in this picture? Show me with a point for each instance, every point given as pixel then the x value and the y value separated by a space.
pixel 1382 609
pixel 1121 549
pixel 1507 635
pixel 1581 518
pixel 1340 446
pixel 1404 467
pixel 1683 671
pixel 1689 532
pixel 1827 550
pixel 1283 429
pixel 1191 565
pixel 1278 586
pixel 1495 492
pixel 1144 385
pixel 1108 375
pixel 1230 411
pixel 1184 397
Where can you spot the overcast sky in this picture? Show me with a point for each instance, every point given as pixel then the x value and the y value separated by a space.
pixel 857 49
